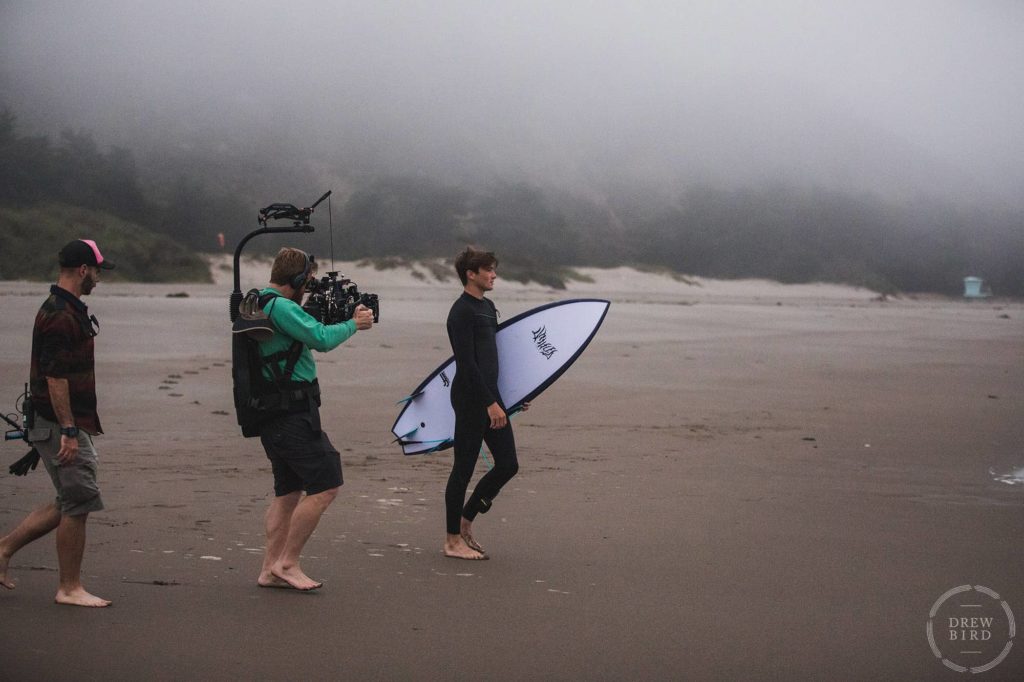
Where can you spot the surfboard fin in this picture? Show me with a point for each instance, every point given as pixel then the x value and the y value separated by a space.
pixel 409 398
pixel 410 432
pixel 447 443
pixel 441 445
pixel 402 441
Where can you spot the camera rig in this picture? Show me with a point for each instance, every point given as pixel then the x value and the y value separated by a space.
pixel 20 432
pixel 23 407
pixel 300 223
pixel 333 298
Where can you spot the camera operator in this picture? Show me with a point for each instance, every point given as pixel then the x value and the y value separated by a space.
pixel 301 455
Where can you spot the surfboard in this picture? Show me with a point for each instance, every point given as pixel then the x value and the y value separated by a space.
pixel 534 349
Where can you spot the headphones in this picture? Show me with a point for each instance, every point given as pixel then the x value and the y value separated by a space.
pixel 299 280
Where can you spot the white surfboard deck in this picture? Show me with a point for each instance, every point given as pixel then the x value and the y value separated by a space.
pixel 534 349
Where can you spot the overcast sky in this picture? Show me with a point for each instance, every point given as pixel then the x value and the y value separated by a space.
pixel 863 95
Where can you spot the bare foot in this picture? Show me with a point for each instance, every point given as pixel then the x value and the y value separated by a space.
pixel 466 531
pixel 79 597
pixel 458 549
pixel 4 582
pixel 268 579
pixel 296 578
pixel 467 537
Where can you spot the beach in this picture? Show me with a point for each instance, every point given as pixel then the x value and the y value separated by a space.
pixel 737 480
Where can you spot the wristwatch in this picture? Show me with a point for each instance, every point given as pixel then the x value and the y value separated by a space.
pixel 69 431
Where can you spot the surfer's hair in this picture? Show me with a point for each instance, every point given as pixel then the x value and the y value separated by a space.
pixel 473 259
pixel 288 263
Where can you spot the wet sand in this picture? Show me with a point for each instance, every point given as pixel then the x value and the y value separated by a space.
pixel 736 481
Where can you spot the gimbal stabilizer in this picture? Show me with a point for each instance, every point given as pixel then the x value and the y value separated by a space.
pixel 300 224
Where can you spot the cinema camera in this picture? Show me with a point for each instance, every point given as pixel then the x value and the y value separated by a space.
pixel 333 298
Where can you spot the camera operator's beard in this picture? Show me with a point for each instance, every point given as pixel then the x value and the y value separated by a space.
pixel 298 294
pixel 88 284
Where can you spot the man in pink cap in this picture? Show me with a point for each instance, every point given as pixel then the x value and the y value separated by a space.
pixel 63 387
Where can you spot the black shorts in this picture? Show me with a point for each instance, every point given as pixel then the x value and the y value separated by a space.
pixel 301 458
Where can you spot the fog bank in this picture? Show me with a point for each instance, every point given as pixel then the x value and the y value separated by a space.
pixel 897 99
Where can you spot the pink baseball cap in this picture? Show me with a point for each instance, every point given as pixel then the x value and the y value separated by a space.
pixel 83 252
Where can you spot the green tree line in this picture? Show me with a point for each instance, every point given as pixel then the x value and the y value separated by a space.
pixel 780 232
pixel 51 193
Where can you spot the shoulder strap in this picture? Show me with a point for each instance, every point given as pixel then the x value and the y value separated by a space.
pixel 293 358
pixel 264 298
pixel 290 356
pixel 273 299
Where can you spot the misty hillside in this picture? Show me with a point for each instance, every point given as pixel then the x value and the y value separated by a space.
pixel 53 193
pixel 170 204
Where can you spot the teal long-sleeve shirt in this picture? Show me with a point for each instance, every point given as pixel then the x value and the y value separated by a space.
pixel 292 323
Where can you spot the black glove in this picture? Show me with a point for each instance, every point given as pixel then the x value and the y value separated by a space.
pixel 26 463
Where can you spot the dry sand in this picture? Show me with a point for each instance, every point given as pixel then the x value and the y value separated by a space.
pixel 738 480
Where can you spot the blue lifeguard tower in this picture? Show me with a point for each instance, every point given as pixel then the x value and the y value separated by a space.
pixel 973 288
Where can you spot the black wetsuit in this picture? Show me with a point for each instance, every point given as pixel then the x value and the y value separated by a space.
pixel 472 329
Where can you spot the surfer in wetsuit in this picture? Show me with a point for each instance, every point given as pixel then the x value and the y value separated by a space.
pixel 479 413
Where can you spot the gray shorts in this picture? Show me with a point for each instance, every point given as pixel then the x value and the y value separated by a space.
pixel 77 491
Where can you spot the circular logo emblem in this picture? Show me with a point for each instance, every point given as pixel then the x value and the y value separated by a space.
pixel 971 629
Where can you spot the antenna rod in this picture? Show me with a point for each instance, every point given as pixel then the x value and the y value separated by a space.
pixel 330 225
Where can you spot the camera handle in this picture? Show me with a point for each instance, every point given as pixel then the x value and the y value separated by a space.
pixel 236 294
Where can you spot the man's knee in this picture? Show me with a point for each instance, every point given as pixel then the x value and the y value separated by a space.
pixel 79 498
pixel 460 477
pixel 509 469
pixel 462 470
pixel 324 498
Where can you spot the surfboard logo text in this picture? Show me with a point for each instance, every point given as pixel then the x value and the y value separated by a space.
pixel 540 338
